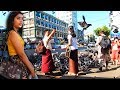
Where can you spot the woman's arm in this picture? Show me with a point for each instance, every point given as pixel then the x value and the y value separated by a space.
pixel 20 51
pixel 51 34
pixel 69 41
pixel 98 40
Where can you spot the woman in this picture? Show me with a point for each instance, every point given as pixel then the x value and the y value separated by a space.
pixel 47 61
pixel 119 51
pixel 20 67
pixel 73 59
pixel 115 50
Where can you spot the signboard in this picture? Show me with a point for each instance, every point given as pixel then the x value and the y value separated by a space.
pixel 112 34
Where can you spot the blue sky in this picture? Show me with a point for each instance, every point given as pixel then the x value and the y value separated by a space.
pixel 96 18
pixel 3 18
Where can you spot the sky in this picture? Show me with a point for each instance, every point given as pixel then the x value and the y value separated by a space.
pixel 96 18
pixel 3 18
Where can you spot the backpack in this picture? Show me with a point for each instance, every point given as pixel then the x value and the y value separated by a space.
pixel 105 42
pixel 40 48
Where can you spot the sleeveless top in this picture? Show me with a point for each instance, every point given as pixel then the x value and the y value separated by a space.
pixel 47 45
pixel 11 48
pixel 74 42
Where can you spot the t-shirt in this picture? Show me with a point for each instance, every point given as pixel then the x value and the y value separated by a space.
pixel 74 42
pixel 48 46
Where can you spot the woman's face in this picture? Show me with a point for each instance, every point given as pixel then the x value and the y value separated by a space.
pixel 119 41
pixel 18 21
pixel 115 40
pixel 47 33
pixel 69 32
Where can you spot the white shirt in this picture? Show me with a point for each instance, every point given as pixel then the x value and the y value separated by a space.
pixel 115 47
pixel 48 46
pixel 74 42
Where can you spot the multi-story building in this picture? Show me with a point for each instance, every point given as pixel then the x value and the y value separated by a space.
pixel 115 23
pixel 2 35
pixel 69 17
pixel 81 35
pixel 35 22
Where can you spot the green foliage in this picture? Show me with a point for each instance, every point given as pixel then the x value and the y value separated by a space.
pixel 103 28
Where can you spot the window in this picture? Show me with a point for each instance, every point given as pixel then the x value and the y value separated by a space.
pixel 42 23
pixel 46 25
pixel 31 22
pixel 26 15
pixel 32 14
pixel 54 20
pixel 52 26
pixel 57 22
pixel 55 27
pixel 26 24
pixel 37 22
pixel 49 25
pixel 32 33
pixel 42 15
pixel 37 14
pixel 49 18
pixel 46 17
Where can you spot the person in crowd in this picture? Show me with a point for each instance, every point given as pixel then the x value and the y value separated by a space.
pixel 72 45
pixel 47 61
pixel 119 51
pixel 115 51
pixel 103 54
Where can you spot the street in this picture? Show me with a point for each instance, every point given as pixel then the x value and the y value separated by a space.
pixel 94 73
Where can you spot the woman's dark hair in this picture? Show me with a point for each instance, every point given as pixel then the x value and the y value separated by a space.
pixel 10 20
pixel 72 31
pixel 115 38
pixel 45 31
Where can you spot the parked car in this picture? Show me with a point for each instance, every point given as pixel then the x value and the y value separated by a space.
pixel 91 44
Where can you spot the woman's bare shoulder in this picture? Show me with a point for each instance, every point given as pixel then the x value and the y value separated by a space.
pixel 12 32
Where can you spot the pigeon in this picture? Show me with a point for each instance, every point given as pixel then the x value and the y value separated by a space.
pixel 83 24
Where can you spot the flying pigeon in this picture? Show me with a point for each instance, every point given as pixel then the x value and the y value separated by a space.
pixel 83 24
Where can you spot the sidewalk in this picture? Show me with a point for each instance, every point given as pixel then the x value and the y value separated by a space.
pixel 112 73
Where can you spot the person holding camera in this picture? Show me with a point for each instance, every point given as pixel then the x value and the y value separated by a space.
pixel 115 51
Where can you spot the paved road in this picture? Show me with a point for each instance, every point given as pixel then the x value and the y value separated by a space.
pixel 112 73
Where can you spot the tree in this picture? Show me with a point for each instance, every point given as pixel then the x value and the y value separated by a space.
pixel 103 28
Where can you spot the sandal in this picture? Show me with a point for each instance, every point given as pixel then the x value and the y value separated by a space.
pixel 72 74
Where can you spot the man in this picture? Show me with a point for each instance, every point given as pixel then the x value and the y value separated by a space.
pixel 103 53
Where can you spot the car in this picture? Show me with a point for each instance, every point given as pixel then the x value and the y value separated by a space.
pixel 54 46
pixel 91 44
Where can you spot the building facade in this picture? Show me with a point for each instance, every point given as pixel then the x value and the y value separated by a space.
pixel 69 17
pixel 81 35
pixel 35 22
pixel 2 35
pixel 114 23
